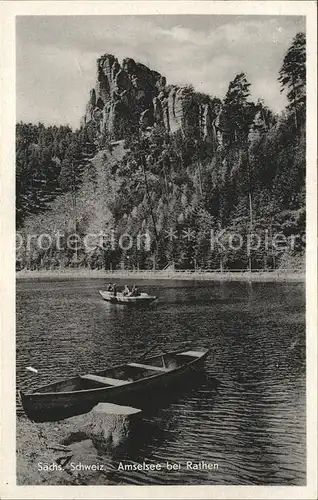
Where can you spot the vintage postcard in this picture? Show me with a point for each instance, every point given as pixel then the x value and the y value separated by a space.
pixel 159 249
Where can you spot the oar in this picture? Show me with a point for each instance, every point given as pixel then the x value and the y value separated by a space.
pixel 164 352
pixel 183 345
pixel 148 351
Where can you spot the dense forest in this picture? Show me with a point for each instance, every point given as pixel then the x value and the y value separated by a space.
pixel 177 186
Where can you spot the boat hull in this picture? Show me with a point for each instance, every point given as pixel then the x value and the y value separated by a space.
pixel 51 406
pixel 142 300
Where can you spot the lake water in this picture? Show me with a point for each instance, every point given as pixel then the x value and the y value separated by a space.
pixel 252 425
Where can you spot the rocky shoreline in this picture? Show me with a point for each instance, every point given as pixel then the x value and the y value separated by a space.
pixel 74 451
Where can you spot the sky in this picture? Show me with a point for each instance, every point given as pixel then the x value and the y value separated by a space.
pixel 56 56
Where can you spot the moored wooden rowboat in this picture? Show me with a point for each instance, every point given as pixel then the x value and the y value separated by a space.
pixel 121 384
pixel 120 298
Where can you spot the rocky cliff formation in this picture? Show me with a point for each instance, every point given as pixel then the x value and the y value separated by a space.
pixel 130 95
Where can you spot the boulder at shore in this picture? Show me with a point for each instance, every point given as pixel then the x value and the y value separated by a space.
pixel 72 451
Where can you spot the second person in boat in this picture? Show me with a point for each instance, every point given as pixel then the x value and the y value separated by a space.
pixel 135 292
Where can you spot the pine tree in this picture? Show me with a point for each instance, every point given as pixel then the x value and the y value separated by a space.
pixel 240 115
pixel 292 77
pixel 72 169
pixel 239 112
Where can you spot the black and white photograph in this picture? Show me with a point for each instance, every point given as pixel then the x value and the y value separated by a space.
pixel 161 202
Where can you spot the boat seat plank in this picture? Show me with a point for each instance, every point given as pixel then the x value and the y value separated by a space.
pixel 104 380
pixel 148 367
pixel 195 354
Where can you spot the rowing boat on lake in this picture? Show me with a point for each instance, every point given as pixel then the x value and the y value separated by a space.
pixel 120 298
pixel 121 384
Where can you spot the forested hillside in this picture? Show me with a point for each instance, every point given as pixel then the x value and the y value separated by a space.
pixel 179 165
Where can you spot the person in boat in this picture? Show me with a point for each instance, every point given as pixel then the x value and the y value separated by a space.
pixel 110 287
pixel 126 290
pixel 135 292
pixel 114 289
